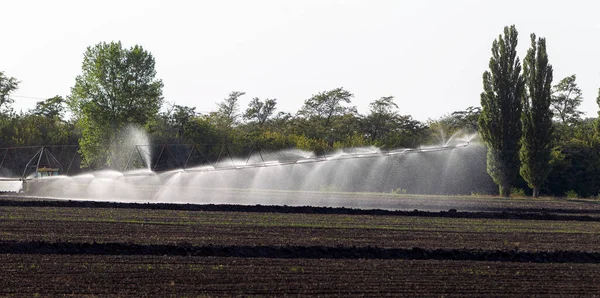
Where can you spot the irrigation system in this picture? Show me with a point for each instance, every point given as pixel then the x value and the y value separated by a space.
pixel 32 163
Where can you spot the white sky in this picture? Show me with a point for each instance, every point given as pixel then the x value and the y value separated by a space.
pixel 430 55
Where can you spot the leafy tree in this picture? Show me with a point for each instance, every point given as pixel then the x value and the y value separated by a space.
pixel 327 104
pixel 53 107
pixel 499 123
pixel 227 115
pixel 37 130
pixel 566 98
pixel 172 125
pixel 407 133
pixel 181 118
pixel 117 86
pixel 7 86
pixel 536 119
pixel 576 165
pixel 282 122
pixel 381 119
pixel 347 130
pixel 464 120
pixel 458 122
pixel 260 111
pixel 319 112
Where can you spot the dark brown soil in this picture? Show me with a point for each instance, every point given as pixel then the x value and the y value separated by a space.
pixel 51 248
pixel 200 228
pixel 166 276
pixel 295 252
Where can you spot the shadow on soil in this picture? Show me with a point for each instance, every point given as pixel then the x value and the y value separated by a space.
pixel 313 252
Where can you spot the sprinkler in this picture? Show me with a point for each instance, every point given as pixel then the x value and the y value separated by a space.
pixel 45 175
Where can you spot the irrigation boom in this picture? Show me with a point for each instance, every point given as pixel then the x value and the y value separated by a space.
pixel 43 165
pixel 308 160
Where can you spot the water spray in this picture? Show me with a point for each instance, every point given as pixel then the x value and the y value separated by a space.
pixel 292 177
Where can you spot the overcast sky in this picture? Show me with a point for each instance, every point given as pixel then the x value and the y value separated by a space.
pixel 429 55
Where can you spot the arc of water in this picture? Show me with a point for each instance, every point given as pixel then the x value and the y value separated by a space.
pixel 137 148
pixel 129 160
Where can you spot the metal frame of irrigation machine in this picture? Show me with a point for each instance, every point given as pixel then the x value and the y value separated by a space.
pixel 44 164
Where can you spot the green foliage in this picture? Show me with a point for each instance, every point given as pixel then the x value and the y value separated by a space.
pixel 182 125
pixel 517 192
pixel 351 141
pixel 465 121
pixel 575 165
pixel 260 111
pixel 571 194
pixel 227 115
pixel 407 133
pixel 537 116
pixel 399 191
pixel 117 86
pixel 272 140
pixel 53 107
pixel 381 120
pixel 182 118
pixel 7 86
pixel 327 104
pixel 385 127
pixel 499 123
pixel 34 130
pixel 566 99
pixel 322 109
pixel 319 146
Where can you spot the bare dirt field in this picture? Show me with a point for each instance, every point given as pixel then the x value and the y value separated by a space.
pixel 163 276
pixel 516 248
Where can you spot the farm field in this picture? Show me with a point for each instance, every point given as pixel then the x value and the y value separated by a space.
pixel 541 247
pixel 384 201
pixel 80 275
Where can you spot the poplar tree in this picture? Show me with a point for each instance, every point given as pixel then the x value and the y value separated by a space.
pixel 500 120
pixel 537 116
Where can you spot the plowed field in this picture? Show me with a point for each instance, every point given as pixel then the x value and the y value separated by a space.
pixel 105 249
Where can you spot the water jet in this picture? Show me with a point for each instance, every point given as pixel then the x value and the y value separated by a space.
pixel 287 177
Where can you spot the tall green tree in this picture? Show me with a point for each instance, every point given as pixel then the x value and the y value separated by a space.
pixel 327 105
pixel 181 118
pixel 117 86
pixel 53 107
pixel 536 119
pixel 500 119
pixel 7 86
pixel 319 113
pixel 260 111
pixel 227 114
pixel 465 120
pixel 381 119
pixel 566 99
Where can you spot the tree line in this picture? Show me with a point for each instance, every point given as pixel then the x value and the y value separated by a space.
pixel 516 122
pixel 530 127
